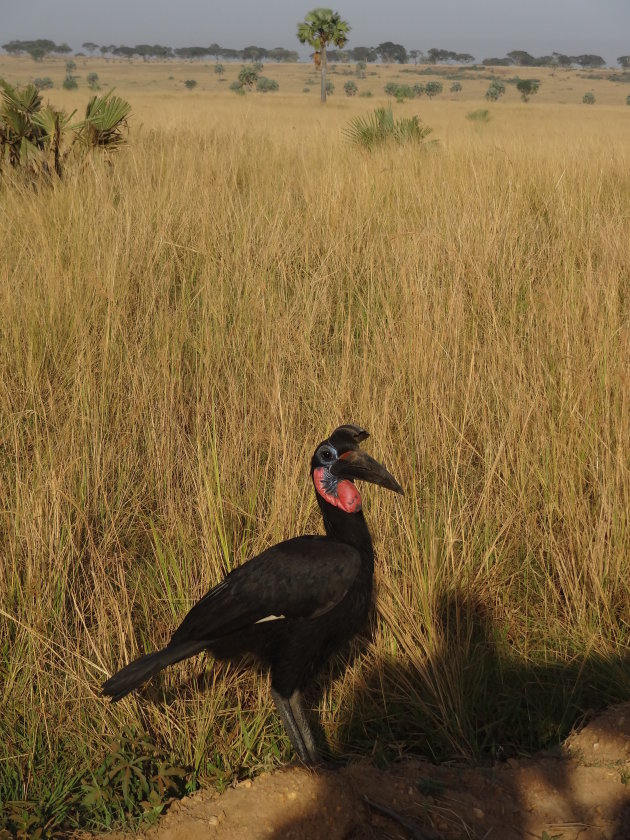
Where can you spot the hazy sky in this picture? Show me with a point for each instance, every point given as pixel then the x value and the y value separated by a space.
pixel 482 27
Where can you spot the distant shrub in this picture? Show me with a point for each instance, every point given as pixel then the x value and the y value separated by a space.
pixel 350 89
pixel 219 69
pixel 588 98
pixel 418 89
pixel 495 91
pixel 248 76
pixel 401 92
pixel 627 100
pixel 258 66
pixel 70 83
pixel 44 83
pixel 306 90
pixel 238 88
pixel 615 77
pixel 365 94
pixel 361 68
pixel 404 92
pixel 265 85
pixel 433 89
pixel 482 115
pixel 70 66
pixel 189 84
pixel 92 80
pixel 381 127
pixel 527 88
pixel 330 86
pixel 456 87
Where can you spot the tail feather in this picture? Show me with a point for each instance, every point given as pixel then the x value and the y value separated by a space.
pixel 140 670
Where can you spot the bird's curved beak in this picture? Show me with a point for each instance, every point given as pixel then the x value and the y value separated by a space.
pixel 358 464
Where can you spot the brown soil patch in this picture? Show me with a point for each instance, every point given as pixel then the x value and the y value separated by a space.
pixel 581 792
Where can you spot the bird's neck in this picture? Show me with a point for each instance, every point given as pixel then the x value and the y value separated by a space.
pixel 350 528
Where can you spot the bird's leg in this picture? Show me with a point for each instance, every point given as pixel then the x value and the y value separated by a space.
pixel 296 726
pixel 295 702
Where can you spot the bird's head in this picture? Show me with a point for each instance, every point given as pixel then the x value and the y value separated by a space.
pixel 338 461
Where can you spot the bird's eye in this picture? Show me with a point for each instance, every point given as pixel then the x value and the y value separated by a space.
pixel 327 455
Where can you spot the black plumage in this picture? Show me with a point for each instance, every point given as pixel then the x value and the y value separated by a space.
pixel 294 604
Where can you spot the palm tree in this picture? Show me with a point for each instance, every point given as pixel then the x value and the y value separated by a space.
pixel 40 140
pixel 320 28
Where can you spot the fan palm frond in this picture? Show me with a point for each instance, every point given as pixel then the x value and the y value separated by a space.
pixel 105 118
pixel 26 101
pixel 370 130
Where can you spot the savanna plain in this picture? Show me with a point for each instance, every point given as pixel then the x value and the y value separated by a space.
pixel 179 327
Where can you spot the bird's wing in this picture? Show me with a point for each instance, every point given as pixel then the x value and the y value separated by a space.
pixel 299 578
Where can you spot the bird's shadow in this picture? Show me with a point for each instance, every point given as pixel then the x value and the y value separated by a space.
pixel 502 707
pixel 477 696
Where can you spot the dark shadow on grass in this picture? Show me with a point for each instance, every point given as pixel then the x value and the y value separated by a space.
pixel 501 711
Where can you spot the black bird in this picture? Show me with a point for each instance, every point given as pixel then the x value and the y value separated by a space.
pixel 295 604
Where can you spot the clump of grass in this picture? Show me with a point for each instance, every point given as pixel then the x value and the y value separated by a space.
pixel 480 115
pixel 131 781
pixel 382 127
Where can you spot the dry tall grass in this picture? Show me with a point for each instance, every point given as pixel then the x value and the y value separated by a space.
pixel 179 331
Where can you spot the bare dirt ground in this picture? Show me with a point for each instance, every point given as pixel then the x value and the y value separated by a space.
pixel 582 791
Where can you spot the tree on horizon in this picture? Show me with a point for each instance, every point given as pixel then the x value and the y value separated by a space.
pixel 391 53
pixel 319 28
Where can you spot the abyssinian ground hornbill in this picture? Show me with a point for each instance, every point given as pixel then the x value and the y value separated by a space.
pixel 295 604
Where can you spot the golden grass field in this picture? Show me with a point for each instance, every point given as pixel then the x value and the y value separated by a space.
pixel 180 329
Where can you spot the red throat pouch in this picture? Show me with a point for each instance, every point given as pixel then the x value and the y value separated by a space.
pixel 343 494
